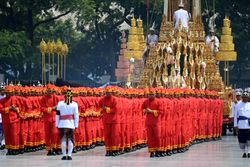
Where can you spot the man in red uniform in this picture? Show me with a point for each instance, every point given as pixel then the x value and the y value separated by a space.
pixel 48 106
pixel 108 107
pixel 11 121
pixel 151 107
pixel 127 119
pixel 90 120
pixel 24 128
pixel 83 118
pixel 41 129
pixel 98 118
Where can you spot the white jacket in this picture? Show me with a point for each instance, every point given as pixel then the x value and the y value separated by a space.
pixel 182 15
pixel 64 109
pixel 242 109
pixel 234 108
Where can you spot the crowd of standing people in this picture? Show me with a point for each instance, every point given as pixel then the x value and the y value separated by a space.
pixel 166 120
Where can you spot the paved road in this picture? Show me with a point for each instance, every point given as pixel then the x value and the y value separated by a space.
pixel 223 153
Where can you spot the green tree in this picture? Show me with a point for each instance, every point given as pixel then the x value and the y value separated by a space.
pixel 14 47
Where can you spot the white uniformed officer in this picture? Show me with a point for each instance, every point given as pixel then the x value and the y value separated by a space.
pixel 67 119
pixel 242 124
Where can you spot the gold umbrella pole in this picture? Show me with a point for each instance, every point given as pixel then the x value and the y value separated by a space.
pixel 58 65
pixel 65 51
pixel 53 50
pixel 59 48
pixel 49 67
pixel 43 71
pixel 44 68
pixel 65 67
pixel 62 66
pixel 43 50
pixel 226 74
pixel 53 68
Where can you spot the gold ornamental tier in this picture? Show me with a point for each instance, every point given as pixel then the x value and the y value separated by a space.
pixel 226 47
pixel 226 31
pixel 226 39
pixel 226 52
pixel 133 31
pixel 226 56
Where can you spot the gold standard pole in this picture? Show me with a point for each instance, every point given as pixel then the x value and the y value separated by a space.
pixel 225 73
pixel 43 49
pixel 42 69
pixel 58 65
pixel 53 68
pixel 49 67
pixel 65 67
pixel 62 65
pixel 59 53
pixel 65 53
pixel 53 45
pixel 228 73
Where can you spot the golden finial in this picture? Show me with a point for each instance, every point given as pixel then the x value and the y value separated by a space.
pixel 139 22
pixel 50 47
pixel 226 22
pixel 53 47
pixel 43 47
pixel 59 46
pixel 133 23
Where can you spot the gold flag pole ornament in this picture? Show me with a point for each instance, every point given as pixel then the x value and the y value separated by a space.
pixel 59 52
pixel 49 51
pixel 53 51
pixel 65 53
pixel 43 49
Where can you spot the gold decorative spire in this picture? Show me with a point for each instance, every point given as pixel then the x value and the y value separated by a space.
pixel 135 41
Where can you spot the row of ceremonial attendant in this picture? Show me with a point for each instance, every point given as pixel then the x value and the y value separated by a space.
pixel 167 120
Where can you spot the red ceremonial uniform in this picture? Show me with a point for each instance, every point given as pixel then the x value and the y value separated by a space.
pixel 152 123
pixel 51 132
pixel 108 106
pixel 11 122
